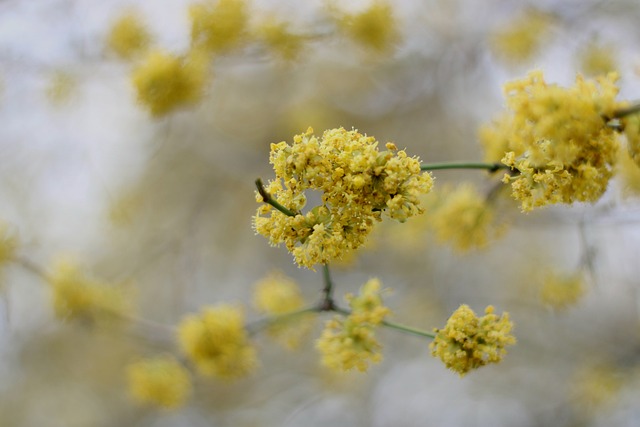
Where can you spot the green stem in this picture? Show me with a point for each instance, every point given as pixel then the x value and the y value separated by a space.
pixel 408 329
pixel 623 112
pixel 397 326
pixel 256 326
pixel 266 197
pixel 491 167
pixel 327 303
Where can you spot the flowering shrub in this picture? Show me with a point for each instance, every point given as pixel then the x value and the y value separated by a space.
pixel 164 291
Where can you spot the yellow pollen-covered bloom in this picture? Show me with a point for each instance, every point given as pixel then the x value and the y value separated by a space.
pixel 468 342
pixel 350 342
pixel 218 26
pixel 216 341
pixel 78 297
pixel 556 140
pixel 161 381
pixel 277 295
pixel 374 28
pixel 165 82
pixel 128 36
pixel 358 184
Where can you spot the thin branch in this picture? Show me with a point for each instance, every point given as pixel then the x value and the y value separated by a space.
pixel 266 197
pixel 491 167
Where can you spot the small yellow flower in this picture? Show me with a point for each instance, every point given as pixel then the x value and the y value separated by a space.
pixel 220 26
pixel 78 297
pixel 216 342
pixel 556 140
pixel 161 381
pixel 128 37
pixel 277 295
pixel 165 82
pixel 468 342
pixel 374 28
pixel 348 343
pixel 562 291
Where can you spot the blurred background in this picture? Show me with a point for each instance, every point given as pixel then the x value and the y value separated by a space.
pixel 164 202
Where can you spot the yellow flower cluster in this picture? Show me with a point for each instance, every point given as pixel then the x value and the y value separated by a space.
pixel 277 295
pixel 165 82
pixel 78 297
pixel 216 342
pixel 350 342
pixel 218 26
pixel 128 36
pixel 357 183
pixel 468 342
pixel 463 217
pixel 277 37
pixel 562 291
pixel 161 381
pixel 556 140
pixel 374 28
pixel 521 39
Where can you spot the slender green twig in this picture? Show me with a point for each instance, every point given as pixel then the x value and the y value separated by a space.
pixel 491 167
pixel 327 303
pixel 623 112
pixel 397 326
pixel 266 197
pixel 256 326
pixel 408 329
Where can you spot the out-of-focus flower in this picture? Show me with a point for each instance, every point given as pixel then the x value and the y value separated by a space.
pixel 161 381
pixel 277 295
pixel 348 343
pixel 521 38
pixel 128 36
pixel 165 82
pixel 562 291
pixel 216 342
pixel 375 28
pixel 218 26
pixel 79 297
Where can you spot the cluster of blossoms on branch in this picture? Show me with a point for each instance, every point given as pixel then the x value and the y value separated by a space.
pixel 358 184
pixel 556 140
pixel 468 341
